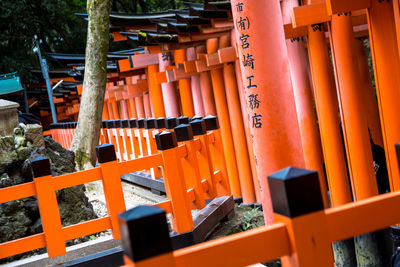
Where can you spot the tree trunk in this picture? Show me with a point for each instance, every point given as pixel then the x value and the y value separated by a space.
pixel 87 133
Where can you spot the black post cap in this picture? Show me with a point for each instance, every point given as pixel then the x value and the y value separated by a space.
pixel 74 124
pixel 199 127
pixel 132 123
pixel 109 124
pixel 140 123
pixel 104 124
pixel 40 167
pixel 105 153
pixel 170 122
pixel 211 122
pixel 117 123
pixel 183 132
pixel 149 123
pixel 144 232
pixel 196 118
pixel 125 123
pixel 182 120
pixel 160 123
pixel 52 126
pixel 166 140
pixel 295 192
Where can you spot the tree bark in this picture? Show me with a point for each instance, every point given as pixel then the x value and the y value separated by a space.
pixel 87 132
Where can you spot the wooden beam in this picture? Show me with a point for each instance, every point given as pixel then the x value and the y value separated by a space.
pixel 341 6
pixel 291 32
pixel 144 60
pixel 227 54
pixel 310 14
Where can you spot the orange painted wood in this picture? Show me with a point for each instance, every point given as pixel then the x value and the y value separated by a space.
pixel 207 93
pixel 86 228
pixel 281 147
pixel 144 60
pixel 341 6
pixel 308 239
pixel 326 103
pixel 299 71
pixel 385 55
pixel 17 191
pixel 244 249
pixel 166 205
pixel 21 245
pixel 294 32
pixel 374 124
pixel 227 54
pixel 176 191
pixel 355 128
pixel 310 14
pixel 224 121
pixel 355 219
pixel 190 66
pixel 212 59
pixel 49 215
pixel 238 134
pixel 117 36
pixel 113 193
pixel 155 91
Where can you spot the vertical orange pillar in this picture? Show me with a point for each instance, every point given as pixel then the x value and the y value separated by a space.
pixel 355 128
pixel 195 85
pixel 123 109
pixel 385 55
pixel 184 87
pixel 207 94
pixel 105 112
pixel 168 89
pixel 326 103
pixel 155 91
pixel 223 117
pixel 206 88
pixel 114 106
pixel 374 123
pixel 132 108
pixel 299 72
pixel 271 107
pixel 139 107
pixel 238 133
pixel 246 125
pixel 147 108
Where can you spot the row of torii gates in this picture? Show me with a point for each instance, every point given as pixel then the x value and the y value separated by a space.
pixel 290 85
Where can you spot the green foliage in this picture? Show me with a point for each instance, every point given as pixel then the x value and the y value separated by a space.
pixel 249 220
pixel 55 23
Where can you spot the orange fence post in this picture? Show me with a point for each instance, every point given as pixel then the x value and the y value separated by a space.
pixel 139 107
pixel 125 140
pixel 374 124
pixel 266 79
pixel 299 72
pixel 385 56
pixel 149 126
pixel 195 85
pixel 147 105
pixel 205 162
pixel 355 128
pixel 243 106
pixel 155 91
pixel 140 137
pixel 111 184
pixel 223 116
pixel 216 157
pixel 238 133
pixel 168 88
pixel 48 206
pixel 190 165
pixel 303 214
pixel 175 187
pixel 327 107
pixel 134 143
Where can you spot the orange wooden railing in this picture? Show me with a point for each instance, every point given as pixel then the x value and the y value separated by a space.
pixel 182 195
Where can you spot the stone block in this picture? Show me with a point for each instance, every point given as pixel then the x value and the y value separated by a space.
pixel 8 117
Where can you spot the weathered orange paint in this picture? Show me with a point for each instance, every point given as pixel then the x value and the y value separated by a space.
pixel 355 128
